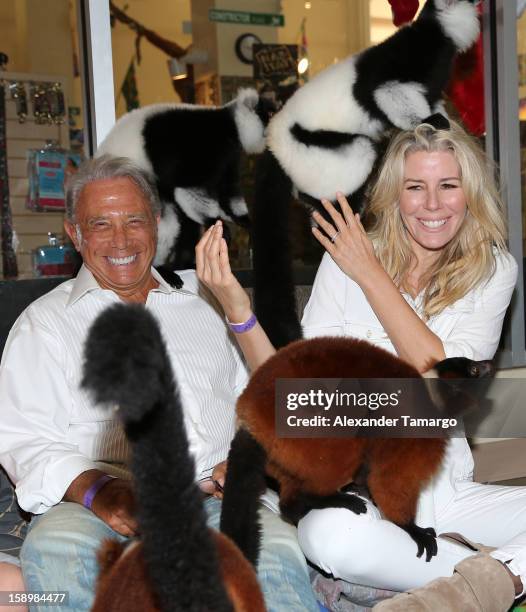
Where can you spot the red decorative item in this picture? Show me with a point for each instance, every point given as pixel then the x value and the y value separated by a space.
pixel 403 11
pixel 466 88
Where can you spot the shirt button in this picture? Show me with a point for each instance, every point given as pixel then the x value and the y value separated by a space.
pixel 369 333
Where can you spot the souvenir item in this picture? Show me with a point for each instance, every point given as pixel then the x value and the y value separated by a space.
pixel 19 95
pixel 47 170
pixel 55 258
pixel 48 103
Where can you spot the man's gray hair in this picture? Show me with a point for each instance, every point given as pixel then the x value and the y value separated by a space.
pixel 103 168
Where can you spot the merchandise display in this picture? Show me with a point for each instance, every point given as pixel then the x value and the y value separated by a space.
pixel 55 259
pixel 47 170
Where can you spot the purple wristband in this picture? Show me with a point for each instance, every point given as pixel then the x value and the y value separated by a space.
pixel 89 496
pixel 240 328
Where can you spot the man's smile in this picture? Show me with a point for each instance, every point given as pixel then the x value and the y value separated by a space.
pixel 122 261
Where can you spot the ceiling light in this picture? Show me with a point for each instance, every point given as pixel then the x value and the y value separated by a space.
pixel 303 65
pixel 177 69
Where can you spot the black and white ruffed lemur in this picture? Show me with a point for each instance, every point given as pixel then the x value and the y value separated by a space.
pixel 316 472
pixel 193 155
pixel 329 135
pixel 179 565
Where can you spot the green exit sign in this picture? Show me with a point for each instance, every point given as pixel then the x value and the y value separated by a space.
pixel 245 18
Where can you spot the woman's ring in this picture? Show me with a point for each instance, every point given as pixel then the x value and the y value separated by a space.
pixel 333 239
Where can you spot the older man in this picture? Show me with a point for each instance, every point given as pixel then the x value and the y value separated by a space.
pixel 60 449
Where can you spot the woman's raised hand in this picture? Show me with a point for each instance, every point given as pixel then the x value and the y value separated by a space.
pixel 213 269
pixel 346 240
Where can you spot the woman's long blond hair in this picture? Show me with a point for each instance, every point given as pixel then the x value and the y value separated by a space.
pixel 469 258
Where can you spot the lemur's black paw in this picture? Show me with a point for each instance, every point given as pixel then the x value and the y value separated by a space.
pixel 355 504
pixel 425 538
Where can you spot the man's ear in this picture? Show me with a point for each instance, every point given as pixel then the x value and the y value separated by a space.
pixel 71 231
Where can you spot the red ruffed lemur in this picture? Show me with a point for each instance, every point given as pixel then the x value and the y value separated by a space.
pixel 316 472
pixel 178 564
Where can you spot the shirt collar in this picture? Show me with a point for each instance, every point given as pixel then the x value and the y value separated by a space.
pixel 163 287
pixel 85 282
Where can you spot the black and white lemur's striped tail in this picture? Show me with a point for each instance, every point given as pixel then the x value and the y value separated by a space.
pixel 127 366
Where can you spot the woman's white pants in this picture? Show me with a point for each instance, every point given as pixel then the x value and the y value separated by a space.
pixel 366 549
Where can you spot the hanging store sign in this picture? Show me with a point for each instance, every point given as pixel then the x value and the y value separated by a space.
pixel 245 18
pixel 276 71
pixel 275 61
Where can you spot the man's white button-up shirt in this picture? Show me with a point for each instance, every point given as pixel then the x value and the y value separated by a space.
pixel 51 431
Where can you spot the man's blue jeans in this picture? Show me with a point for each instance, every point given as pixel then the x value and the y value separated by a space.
pixel 59 554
